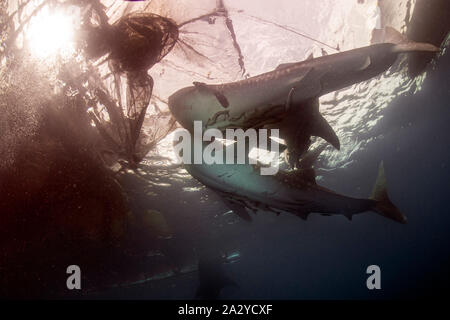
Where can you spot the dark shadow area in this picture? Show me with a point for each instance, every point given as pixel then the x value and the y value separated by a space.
pixel 429 23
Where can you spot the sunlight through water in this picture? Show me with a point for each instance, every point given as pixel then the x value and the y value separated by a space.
pixel 51 32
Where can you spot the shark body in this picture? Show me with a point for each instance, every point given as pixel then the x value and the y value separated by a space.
pixel 242 187
pixel 287 98
pixel 244 104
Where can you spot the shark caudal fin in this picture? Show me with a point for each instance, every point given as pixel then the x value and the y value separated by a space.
pixel 384 206
pixel 404 45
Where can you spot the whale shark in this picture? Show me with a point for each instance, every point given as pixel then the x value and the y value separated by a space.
pixel 245 190
pixel 237 104
pixel 287 95
pixel 287 98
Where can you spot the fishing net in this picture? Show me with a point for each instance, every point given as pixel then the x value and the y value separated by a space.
pixel 133 55
pixel 64 119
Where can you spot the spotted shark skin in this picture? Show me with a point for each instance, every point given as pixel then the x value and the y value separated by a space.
pixel 289 92
pixel 244 189
pixel 233 105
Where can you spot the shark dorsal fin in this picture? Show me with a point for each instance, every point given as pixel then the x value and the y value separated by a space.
pixel 219 95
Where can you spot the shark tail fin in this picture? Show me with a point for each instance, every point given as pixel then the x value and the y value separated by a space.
pixel 310 158
pixel 404 45
pixel 384 205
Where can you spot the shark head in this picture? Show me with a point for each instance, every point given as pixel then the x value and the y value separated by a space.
pixel 195 103
pixel 180 108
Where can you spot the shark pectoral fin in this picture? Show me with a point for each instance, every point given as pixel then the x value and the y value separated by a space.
pixel 308 160
pixel 303 215
pixel 243 214
pixel 238 209
pixel 296 147
pixel 348 216
pixel 311 56
pixel 321 128
pixel 219 95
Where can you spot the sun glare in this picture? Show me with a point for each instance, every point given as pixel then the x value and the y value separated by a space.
pixel 50 33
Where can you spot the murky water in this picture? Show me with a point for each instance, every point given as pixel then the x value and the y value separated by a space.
pixel 391 118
